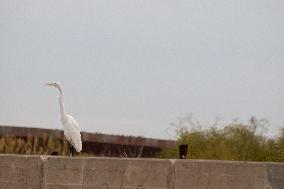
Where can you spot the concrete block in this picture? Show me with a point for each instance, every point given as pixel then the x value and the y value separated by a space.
pixel 117 173
pixel 17 171
pixel 276 175
pixel 191 174
pixel 62 172
pixel 104 172
pixel 146 173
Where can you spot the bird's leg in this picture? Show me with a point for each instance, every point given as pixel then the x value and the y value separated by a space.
pixel 70 150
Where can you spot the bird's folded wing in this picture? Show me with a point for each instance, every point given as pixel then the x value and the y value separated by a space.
pixel 74 122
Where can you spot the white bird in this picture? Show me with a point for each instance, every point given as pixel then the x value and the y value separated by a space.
pixel 72 131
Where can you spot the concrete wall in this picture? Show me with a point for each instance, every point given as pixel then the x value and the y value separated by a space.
pixel 48 172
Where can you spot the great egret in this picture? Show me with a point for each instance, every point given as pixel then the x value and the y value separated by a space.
pixel 72 132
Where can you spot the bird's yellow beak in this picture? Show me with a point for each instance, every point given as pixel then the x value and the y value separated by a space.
pixel 49 84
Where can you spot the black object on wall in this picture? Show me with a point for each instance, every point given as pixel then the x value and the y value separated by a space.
pixel 183 150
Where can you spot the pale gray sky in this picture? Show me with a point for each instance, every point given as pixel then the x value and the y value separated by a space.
pixel 133 66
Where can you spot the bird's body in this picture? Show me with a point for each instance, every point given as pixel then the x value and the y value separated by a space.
pixel 72 131
pixel 72 134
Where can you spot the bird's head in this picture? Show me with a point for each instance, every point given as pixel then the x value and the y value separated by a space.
pixel 55 84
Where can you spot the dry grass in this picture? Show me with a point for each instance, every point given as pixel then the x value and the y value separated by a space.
pixel 33 145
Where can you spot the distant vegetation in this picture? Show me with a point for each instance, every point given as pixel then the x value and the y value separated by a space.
pixel 33 145
pixel 235 141
pixel 36 145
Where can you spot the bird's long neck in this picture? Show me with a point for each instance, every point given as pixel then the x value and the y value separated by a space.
pixel 61 103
